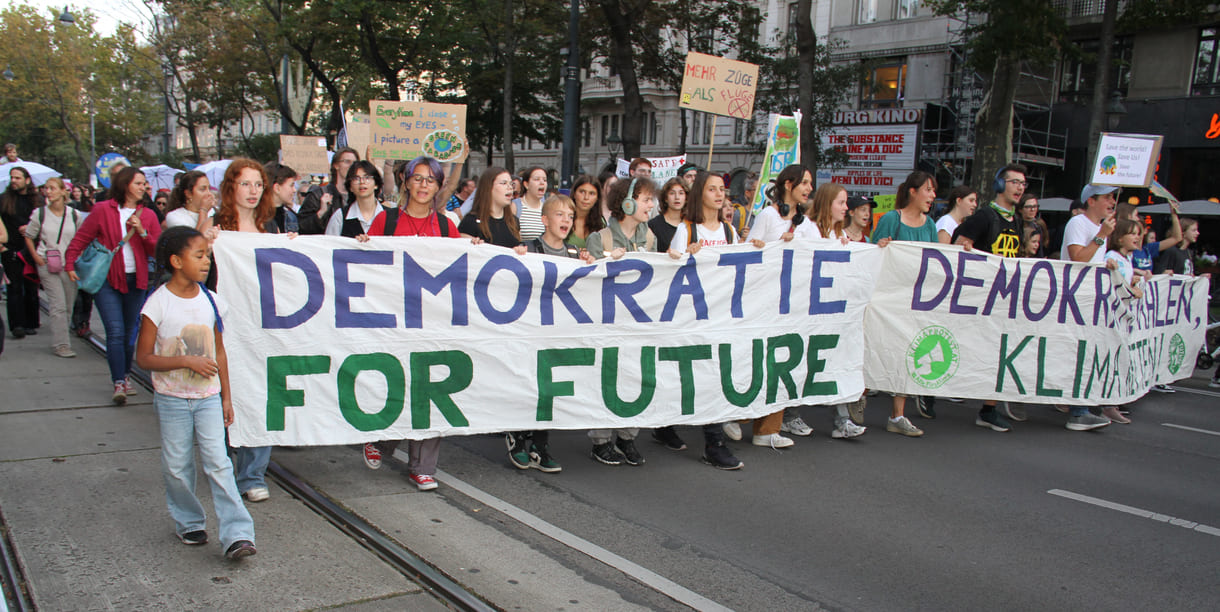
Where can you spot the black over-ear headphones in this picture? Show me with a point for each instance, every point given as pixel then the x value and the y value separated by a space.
pixel 629 201
pixel 999 183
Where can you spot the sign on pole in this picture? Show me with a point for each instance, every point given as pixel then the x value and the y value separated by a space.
pixel 783 150
pixel 1126 160
pixel 882 147
pixel 406 130
pixel 305 154
pixel 719 86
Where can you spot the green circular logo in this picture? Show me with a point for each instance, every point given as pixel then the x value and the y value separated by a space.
pixel 932 357
pixel 1177 353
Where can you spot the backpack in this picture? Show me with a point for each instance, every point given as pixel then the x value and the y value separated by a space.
pixel 650 243
pixel 391 222
pixel 573 250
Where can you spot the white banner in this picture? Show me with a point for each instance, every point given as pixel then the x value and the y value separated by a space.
pixel 331 341
pixel 663 168
pixel 947 322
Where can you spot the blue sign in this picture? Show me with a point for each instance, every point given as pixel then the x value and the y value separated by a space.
pixel 104 164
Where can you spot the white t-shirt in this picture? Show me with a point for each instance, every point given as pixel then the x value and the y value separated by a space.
pixel 63 228
pixel 946 224
pixel 1080 231
pixel 183 217
pixel 769 226
pixel 129 255
pixel 1125 268
pixel 707 237
pixel 184 327
pixel 807 230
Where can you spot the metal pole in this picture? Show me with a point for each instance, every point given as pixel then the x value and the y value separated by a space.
pixel 571 103
pixel 285 127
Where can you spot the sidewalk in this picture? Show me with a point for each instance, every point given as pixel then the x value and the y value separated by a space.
pixel 82 497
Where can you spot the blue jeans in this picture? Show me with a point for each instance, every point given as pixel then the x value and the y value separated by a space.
pixel 121 316
pixel 186 423
pixel 250 466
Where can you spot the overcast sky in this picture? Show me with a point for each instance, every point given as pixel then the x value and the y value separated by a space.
pixel 110 13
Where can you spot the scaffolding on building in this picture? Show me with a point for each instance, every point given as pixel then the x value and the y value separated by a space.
pixel 948 138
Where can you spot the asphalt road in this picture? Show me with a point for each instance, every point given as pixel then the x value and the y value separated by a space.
pixel 963 518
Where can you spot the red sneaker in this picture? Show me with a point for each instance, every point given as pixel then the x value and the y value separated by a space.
pixel 423 481
pixel 372 456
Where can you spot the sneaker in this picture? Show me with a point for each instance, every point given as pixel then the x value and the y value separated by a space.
pixel 796 427
pixel 955 400
pixel 855 410
pixel 83 331
pixel 510 440
pixel 128 388
pixel 540 459
pixel 1061 408
pixel 1112 413
pixel 1012 412
pixel 668 437
pixel 871 393
pixel 994 420
pixel 18 333
pixel 372 456
pixel 732 430
pixel 773 440
pixel 847 431
pixel 240 550
pixel 903 426
pixel 64 350
pixel 925 407
pixel 1167 388
pixel 258 494
pixel 605 453
pixel 194 538
pixel 719 457
pixel 1215 384
pixel 631 454
pixel 120 395
pixel 423 482
pixel 519 452
pixel 1086 422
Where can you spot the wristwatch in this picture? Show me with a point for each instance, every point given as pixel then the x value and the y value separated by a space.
pixel 1098 240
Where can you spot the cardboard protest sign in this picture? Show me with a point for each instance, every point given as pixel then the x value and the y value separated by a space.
pixel 719 86
pixel 305 154
pixel 406 130
pixel 1126 160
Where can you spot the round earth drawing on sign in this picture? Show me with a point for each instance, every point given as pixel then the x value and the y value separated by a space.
pixel 933 356
pixel 444 145
pixel 1177 353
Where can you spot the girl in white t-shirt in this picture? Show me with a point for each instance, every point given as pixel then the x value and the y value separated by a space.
pixel 787 200
pixel 963 200
pixel 191 203
pixel 1125 240
pixel 701 227
pixel 180 342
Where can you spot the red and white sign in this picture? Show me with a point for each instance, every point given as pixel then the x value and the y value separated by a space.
pixel 879 157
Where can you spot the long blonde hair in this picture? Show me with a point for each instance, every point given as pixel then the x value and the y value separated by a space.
pixel 820 213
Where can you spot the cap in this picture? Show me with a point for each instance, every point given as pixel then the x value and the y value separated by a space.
pixel 1091 191
pixel 855 202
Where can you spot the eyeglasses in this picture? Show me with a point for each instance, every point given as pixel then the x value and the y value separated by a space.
pixel 1017 182
pixel 362 178
pixel 249 185
pixel 420 179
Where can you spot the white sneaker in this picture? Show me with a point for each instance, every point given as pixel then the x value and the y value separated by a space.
pixel 796 427
pixel 258 494
pixel 773 440
pixel 847 431
pixel 732 430
pixel 903 426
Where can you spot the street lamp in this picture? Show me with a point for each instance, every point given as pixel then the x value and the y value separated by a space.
pixel 1115 111
pixel 8 72
pixel 614 141
pixel 66 18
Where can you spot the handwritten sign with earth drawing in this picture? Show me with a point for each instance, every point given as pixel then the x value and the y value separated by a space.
pixel 719 86
pixel 1127 160
pixel 405 130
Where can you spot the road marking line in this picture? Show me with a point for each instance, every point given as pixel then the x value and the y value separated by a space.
pixel 1148 514
pixel 640 573
pixel 1206 431
pixel 1197 391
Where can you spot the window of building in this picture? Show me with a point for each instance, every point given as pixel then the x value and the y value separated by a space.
pixel 1079 75
pixel 709 125
pixel 907 8
pixel 652 128
pixel 1207 64
pixel 885 86
pixel 586 128
pixel 739 128
pixel 868 11
pixel 614 125
pixel 696 122
pixel 792 15
pixel 605 128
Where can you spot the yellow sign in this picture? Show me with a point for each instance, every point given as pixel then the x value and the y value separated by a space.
pixel 305 154
pixel 406 130
pixel 719 86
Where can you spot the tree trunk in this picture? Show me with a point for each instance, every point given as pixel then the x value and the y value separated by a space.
pixel 806 47
pixel 993 128
pixel 510 53
pixel 622 55
pixel 1101 87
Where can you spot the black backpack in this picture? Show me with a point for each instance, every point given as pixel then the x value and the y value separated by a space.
pixel 391 222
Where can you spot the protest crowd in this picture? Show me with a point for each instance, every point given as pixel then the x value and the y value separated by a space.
pixel 143 261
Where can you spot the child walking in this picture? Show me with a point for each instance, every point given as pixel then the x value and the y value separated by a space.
pixel 180 343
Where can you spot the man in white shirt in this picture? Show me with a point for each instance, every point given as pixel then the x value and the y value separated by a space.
pixel 1084 239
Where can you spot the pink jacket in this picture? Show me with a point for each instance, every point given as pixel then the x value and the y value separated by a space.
pixel 103 224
